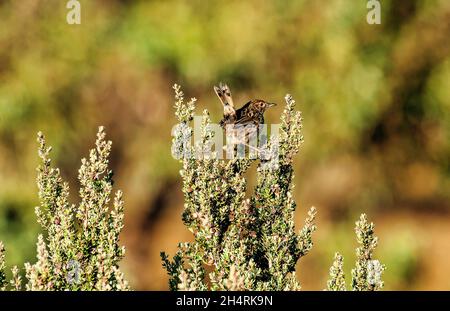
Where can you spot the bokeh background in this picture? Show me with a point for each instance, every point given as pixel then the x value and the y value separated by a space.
pixel 375 99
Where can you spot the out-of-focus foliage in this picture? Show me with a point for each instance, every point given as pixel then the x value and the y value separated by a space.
pixel 375 99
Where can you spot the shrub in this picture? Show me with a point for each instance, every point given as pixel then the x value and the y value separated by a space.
pixel 3 281
pixel 244 243
pixel 80 249
pixel 247 243
pixel 366 276
pixel 367 272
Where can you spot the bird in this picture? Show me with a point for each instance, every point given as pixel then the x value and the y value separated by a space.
pixel 252 113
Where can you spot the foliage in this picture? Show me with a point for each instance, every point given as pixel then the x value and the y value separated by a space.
pixel 367 272
pixel 337 276
pixel 3 281
pixel 366 276
pixel 246 243
pixel 80 250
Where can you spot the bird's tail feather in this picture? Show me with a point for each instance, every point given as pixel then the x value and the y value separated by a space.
pixel 224 94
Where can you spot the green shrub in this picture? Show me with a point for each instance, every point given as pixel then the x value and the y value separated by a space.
pixel 366 276
pixel 79 249
pixel 3 281
pixel 248 243
pixel 244 243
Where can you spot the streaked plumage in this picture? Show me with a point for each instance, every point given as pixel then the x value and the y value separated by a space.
pixel 251 113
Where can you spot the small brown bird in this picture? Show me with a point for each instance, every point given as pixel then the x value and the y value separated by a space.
pixel 251 113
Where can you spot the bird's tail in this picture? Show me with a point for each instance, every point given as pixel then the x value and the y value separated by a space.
pixel 224 94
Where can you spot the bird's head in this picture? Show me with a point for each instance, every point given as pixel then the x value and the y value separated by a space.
pixel 263 105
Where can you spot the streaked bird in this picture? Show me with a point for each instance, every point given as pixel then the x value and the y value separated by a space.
pixel 249 116
pixel 251 113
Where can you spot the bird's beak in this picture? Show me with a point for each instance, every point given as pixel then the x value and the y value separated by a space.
pixel 271 105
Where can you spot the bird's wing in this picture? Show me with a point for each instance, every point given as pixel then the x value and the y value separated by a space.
pixel 245 115
pixel 244 121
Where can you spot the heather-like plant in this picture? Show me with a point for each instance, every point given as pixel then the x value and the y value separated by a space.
pixel 79 249
pixel 3 281
pixel 366 276
pixel 15 282
pixel 367 272
pixel 249 244
pixel 246 243
pixel 337 276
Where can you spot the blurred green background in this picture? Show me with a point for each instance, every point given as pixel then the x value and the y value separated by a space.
pixel 375 99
